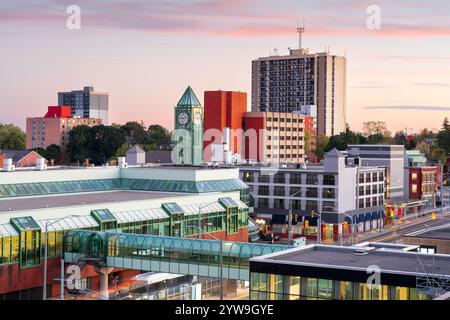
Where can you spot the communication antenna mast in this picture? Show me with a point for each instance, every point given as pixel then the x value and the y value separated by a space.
pixel 300 31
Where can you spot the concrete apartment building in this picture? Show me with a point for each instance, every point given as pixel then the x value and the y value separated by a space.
pixel 54 127
pixel 340 192
pixel 291 82
pixel 86 103
pixel 275 137
pixel 390 156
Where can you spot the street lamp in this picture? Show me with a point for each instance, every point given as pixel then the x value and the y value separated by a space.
pixel 44 287
pixel 220 258
pixel 290 216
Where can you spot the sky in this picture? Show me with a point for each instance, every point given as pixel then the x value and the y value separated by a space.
pixel 146 52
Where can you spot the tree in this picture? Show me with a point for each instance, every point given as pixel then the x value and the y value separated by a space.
pixel 343 139
pixel 53 151
pixel 11 137
pixel 136 132
pixel 80 143
pixel 99 143
pixel 122 151
pixel 105 143
pixel 321 143
pixel 443 137
pixel 159 136
pixel 375 127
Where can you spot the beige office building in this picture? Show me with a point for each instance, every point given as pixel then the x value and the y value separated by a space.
pixel 303 82
pixel 279 137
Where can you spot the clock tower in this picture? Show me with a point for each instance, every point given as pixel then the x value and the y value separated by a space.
pixel 188 134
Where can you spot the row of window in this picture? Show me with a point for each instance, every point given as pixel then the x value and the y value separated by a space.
pixel 293 178
pixel 277 287
pixel 371 177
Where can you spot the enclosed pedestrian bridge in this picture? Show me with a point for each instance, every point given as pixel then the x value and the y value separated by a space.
pixel 187 256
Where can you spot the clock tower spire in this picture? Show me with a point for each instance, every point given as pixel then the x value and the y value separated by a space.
pixel 188 134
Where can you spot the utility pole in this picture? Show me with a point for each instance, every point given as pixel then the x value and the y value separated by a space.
pixel 290 232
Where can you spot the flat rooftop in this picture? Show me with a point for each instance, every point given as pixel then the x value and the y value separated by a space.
pixel 57 201
pixel 441 232
pixel 336 257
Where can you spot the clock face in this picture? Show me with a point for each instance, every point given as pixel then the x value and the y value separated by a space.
pixel 198 118
pixel 183 118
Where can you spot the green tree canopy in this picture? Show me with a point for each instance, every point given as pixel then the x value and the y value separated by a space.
pixel 343 139
pixel 158 136
pixel 136 132
pixel 11 137
pixel 443 137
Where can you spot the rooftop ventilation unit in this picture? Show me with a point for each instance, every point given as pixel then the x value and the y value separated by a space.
pixel 122 162
pixel 8 165
pixel 40 164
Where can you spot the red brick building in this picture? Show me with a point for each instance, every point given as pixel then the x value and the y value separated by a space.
pixel 54 127
pixel 223 109
pixel 423 183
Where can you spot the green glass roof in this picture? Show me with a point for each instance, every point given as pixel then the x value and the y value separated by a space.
pixel 172 208
pixel 228 202
pixel 24 223
pixel 188 99
pixel 103 215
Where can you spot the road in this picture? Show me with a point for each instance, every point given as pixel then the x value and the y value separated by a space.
pixel 408 226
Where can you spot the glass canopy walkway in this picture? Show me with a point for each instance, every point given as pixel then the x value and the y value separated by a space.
pixel 164 254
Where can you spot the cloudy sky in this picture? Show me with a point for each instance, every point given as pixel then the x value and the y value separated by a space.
pixel 145 52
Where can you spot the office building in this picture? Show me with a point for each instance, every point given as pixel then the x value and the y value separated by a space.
pixel 274 137
pixel 343 194
pixel 159 200
pixel 321 272
pixel 86 103
pixel 390 156
pixel 302 80
pixel 54 127
pixel 224 109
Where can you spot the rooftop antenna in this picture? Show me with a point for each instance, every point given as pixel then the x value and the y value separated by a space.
pixel 300 31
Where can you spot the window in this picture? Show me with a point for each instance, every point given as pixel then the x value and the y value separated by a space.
pixel 279 178
pixel 311 179
pixel 278 204
pixel 361 203
pixel 328 193
pixel 248 176
pixel 263 203
pixel 295 178
pixel 329 180
pixel 279 191
pixel 263 190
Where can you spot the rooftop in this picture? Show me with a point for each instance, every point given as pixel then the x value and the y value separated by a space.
pixel 440 232
pixel 57 201
pixel 189 99
pixel 389 260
